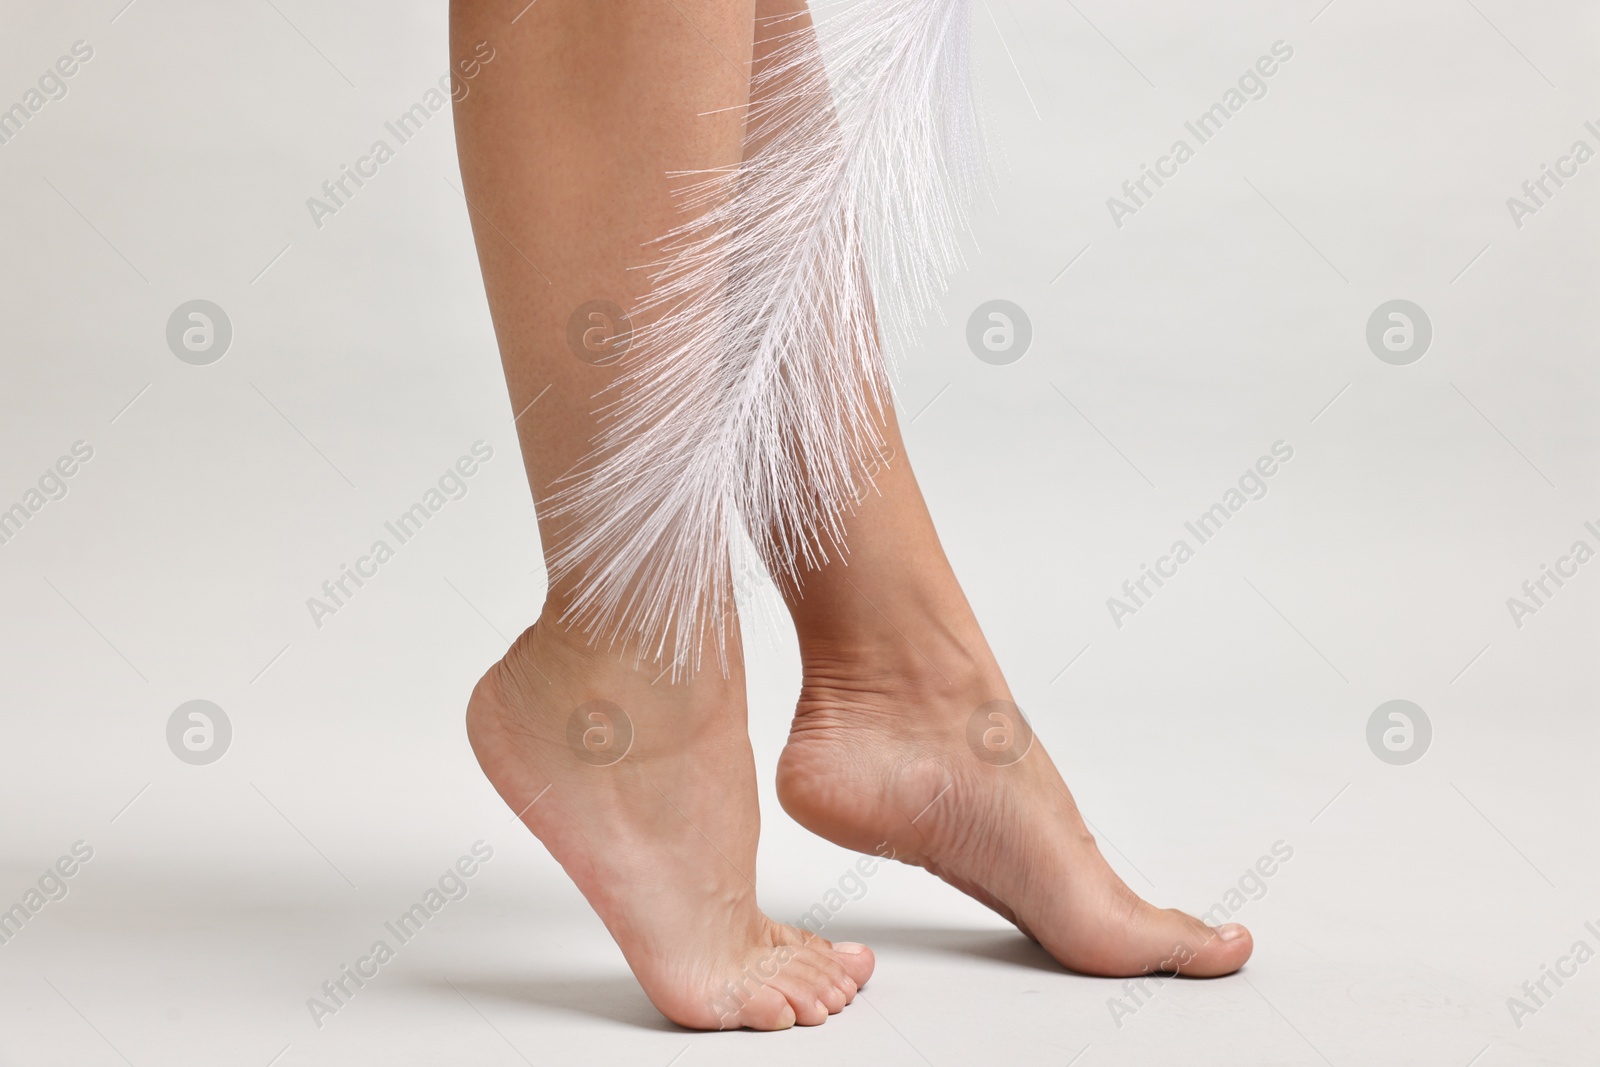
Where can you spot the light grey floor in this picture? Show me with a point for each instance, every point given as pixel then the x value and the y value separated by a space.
pixel 1227 716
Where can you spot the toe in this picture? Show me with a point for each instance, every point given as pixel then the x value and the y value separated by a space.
pixel 856 959
pixel 833 997
pixel 809 988
pixel 1224 951
pixel 1192 948
pixel 1134 938
pixel 768 1009
pixel 812 1012
pixel 835 988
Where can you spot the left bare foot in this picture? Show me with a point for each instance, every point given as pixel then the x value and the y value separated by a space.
pixel 884 752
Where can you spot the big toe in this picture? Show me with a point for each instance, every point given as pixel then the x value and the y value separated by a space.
pixel 1155 941
pixel 1190 947
pixel 856 959
pixel 1224 950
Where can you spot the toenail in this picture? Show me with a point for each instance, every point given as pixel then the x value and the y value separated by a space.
pixel 851 947
pixel 823 1008
pixel 1230 931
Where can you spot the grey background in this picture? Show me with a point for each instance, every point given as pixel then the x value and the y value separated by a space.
pixel 1167 355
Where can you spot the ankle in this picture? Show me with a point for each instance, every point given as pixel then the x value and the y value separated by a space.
pixel 931 677
pixel 918 629
pixel 551 678
pixel 547 648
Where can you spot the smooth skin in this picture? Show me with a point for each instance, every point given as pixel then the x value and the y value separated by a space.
pixel 567 143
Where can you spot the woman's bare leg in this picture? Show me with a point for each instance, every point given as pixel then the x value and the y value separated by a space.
pixel 884 749
pixel 566 141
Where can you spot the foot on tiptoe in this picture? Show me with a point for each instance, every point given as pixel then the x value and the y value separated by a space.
pixel 646 795
pixel 891 754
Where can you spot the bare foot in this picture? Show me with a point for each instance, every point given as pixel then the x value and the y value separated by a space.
pixel 887 748
pixel 646 794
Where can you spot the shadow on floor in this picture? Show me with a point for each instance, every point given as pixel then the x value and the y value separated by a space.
pixel 615 998
pixel 619 999
pixel 1000 946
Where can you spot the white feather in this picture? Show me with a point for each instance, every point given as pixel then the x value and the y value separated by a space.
pixel 756 379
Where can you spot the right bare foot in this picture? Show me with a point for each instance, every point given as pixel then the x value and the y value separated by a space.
pixel 652 811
